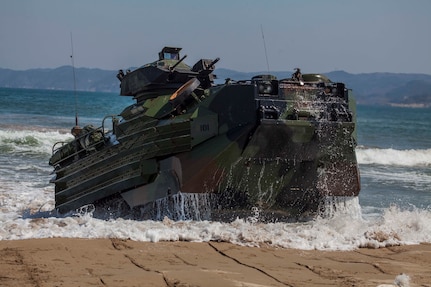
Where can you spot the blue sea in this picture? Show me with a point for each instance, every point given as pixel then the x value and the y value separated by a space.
pixel 394 205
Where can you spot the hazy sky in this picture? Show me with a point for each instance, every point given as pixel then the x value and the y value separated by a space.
pixel 358 36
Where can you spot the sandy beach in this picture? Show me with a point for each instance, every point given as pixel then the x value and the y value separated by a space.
pixel 115 262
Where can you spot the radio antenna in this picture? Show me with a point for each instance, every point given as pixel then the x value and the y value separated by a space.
pixel 264 46
pixel 74 81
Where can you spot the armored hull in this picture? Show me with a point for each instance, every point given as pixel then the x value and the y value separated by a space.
pixel 279 146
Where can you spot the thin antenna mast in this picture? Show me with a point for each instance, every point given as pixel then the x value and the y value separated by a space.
pixel 264 46
pixel 74 82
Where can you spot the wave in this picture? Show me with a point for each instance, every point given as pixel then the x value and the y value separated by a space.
pixel 394 157
pixel 31 140
pixel 406 180
pixel 394 227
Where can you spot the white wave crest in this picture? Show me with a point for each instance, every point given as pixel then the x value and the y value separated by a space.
pixel 411 157
pixel 339 232
pixel 31 141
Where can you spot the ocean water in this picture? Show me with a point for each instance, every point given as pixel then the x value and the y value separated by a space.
pixel 394 206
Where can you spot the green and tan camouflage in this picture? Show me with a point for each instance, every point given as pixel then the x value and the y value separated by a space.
pixel 277 146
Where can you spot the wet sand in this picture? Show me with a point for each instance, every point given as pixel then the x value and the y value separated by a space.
pixel 115 262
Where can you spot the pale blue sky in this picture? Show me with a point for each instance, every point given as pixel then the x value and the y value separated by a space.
pixel 359 36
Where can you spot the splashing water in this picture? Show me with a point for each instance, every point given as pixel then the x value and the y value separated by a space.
pixel 182 206
pixel 340 205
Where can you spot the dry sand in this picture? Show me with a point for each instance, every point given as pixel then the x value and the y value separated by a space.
pixel 114 262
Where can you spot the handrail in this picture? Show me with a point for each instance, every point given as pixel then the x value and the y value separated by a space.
pixel 82 143
pixel 56 143
pixel 114 122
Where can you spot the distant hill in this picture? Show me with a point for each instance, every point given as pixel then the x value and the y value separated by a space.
pixel 60 79
pixel 369 88
pixel 387 88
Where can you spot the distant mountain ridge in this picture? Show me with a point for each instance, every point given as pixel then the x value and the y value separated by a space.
pixel 369 88
pixel 61 78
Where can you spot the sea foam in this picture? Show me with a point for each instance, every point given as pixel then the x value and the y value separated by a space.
pixel 340 231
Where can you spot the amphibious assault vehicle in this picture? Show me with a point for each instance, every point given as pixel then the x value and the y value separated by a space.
pixel 190 149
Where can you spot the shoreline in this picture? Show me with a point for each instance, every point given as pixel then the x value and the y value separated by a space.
pixel 117 262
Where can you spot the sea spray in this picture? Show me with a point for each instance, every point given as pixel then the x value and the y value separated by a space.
pixel 179 206
pixel 340 205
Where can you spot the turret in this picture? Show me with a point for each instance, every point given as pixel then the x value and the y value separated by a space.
pixel 169 53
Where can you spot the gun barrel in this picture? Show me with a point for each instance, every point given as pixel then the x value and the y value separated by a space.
pixel 182 59
pixel 213 63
